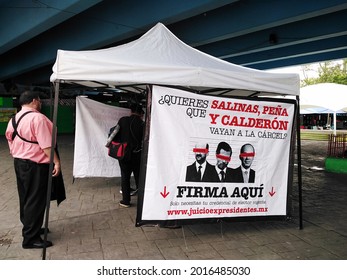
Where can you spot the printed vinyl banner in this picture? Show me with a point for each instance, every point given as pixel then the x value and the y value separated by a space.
pixel 212 157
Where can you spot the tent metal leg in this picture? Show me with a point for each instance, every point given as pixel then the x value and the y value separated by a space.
pixel 49 184
pixel 298 138
pixel 184 237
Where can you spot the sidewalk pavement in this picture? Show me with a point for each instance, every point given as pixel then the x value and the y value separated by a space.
pixel 90 225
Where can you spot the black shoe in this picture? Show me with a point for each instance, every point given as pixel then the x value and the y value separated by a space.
pixel 42 231
pixel 132 191
pixel 38 245
pixel 124 204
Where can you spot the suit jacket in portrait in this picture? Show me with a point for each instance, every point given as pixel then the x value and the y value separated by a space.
pixel 238 177
pixel 214 175
pixel 229 175
pixel 208 176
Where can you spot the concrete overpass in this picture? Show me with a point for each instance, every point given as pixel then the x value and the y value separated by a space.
pixel 260 34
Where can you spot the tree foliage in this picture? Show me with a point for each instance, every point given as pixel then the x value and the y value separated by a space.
pixel 327 72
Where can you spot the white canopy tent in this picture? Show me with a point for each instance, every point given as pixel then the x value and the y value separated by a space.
pixel 324 98
pixel 160 58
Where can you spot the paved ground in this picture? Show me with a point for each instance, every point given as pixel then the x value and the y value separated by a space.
pixel 90 224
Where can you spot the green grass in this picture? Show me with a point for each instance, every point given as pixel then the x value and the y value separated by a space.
pixel 336 165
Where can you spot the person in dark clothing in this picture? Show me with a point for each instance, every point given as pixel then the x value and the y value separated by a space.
pixel 130 130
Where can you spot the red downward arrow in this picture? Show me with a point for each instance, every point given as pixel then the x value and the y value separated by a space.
pixel 165 194
pixel 272 193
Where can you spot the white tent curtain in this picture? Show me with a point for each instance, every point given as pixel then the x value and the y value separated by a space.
pixel 93 122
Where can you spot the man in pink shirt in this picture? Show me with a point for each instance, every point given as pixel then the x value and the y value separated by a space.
pixel 30 146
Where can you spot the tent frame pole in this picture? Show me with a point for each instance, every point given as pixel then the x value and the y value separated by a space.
pixel 49 184
pixel 298 138
pixel 335 123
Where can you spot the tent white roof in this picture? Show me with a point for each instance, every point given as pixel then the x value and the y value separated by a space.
pixel 159 57
pixel 323 98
